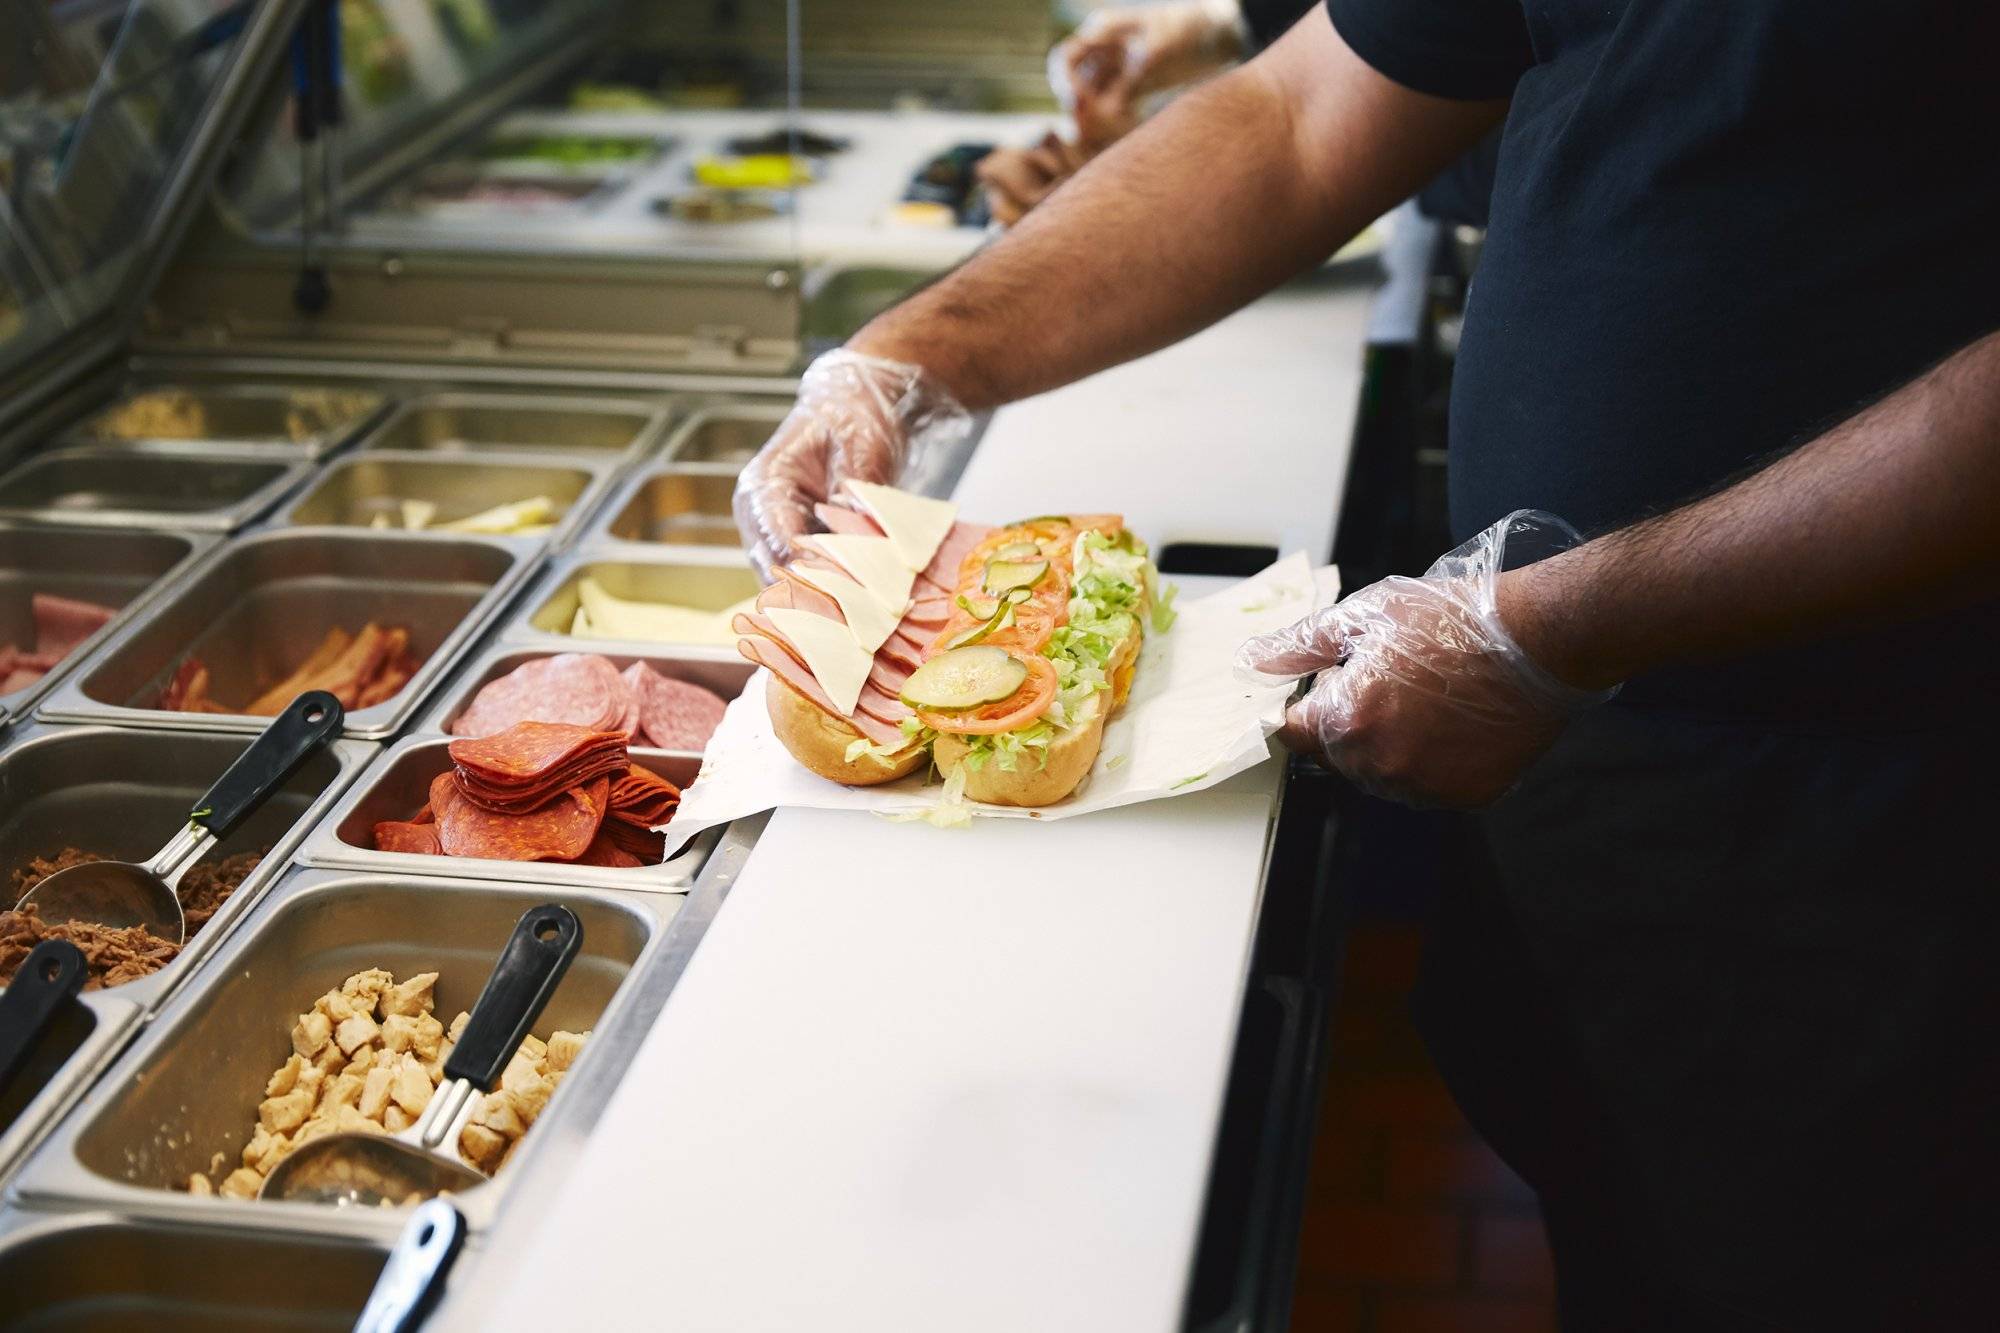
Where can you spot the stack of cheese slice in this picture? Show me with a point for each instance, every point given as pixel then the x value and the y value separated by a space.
pixel 848 621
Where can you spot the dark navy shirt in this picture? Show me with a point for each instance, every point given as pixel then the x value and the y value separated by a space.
pixel 1717 229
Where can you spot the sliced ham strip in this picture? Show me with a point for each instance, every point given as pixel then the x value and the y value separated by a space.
pixel 942 571
pixel 881 706
pixel 788 669
pixel 839 518
pixel 805 597
pixel 888 676
pixel 61 623
pixel 898 652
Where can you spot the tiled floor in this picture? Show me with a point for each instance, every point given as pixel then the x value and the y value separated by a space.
pixel 1412 1225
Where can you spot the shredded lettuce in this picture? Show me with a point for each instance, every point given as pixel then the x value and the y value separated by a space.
pixel 951 811
pixel 1164 614
pixel 885 755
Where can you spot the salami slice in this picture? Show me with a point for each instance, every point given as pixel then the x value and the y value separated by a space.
pixel 676 714
pixel 419 838
pixel 605 851
pixel 560 830
pixel 578 689
pixel 643 798
pixel 535 757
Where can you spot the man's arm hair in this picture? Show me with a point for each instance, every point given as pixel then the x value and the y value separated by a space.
pixel 1892 514
pixel 1239 185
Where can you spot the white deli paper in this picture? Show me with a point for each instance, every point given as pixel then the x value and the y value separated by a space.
pixel 1189 724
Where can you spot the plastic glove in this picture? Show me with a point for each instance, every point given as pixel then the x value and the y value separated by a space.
pixel 856 416
pixel 1421 694
pixel 1121 55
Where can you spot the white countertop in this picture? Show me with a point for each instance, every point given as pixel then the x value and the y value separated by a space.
pixel 967 1080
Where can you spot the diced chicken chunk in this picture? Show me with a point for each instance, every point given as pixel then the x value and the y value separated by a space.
pixel 411 997
pixel 311 1034
pixel 286 1078
pixel 197 1185
pixel 410 1087
pixel 242 1183
pixel 282 1115
pixel 564 1047
pixel 356 1032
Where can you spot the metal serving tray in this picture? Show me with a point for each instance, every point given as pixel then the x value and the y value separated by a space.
pixel 102 1270
pixel 75 1049
pixel 189 1085
pixel 399 785
pixel 355 491
pixel 706 579
pixel 490 422
pixel 118 568
pixel 306 421
pixel 263 604
pixel 729 435
pixel 214 490
pixel 676 506
pixel 718 669
pixel 124 791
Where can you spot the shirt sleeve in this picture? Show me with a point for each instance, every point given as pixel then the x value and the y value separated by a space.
pixel 1268 20
pixel 1468 50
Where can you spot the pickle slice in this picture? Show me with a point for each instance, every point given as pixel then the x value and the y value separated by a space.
pixel 1018 551
pixel 1002 617
pixel 964 678
pixel 1002 575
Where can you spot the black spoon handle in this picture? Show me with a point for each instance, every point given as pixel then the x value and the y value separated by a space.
pixel 49 978
pixel 413 1279
pixel 293 737
pixel 539 951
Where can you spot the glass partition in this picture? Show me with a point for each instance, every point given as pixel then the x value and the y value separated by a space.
pixel 99 104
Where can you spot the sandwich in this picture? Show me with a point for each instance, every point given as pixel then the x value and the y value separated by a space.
pixel 903 637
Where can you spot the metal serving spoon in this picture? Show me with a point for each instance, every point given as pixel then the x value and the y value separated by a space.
pixel 425 1159
pixel 119 893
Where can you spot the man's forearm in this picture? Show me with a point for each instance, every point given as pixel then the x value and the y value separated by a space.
pixel 1892 514
pixel 1238 186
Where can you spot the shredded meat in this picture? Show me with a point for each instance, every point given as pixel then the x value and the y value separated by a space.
pixel 121 954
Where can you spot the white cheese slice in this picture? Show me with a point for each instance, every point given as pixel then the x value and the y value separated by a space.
pixel 870 622
pixel 836 661
pixel 873 563
pixel 915 524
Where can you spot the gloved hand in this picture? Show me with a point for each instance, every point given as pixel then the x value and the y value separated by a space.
pixel 1422 695
pixel 1123 54
pixel 1017 179
pixel 856 416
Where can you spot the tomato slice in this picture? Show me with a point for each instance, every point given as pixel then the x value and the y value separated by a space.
pixel 1017 710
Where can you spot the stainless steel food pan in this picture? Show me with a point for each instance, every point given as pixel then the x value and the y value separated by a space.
pixel 102 1271
pixel 367 489
pixel 729 435
pixel 676 506
pixel 838 302
pixel 119 568
pixel 117 486
pixel 311 421
pixel 482 423
pixel 77 1046
pixel 255 612
pixel 122 792
pixel 399 785
pixel 704 580
pixel 718 669
pixel 189 1085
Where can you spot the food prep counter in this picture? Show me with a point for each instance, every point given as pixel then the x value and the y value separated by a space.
pixel 899 1065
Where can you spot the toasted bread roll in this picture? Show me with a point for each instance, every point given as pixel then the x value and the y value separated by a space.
pixel 819 740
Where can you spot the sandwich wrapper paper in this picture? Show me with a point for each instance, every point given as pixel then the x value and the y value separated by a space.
pixel 1190 723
